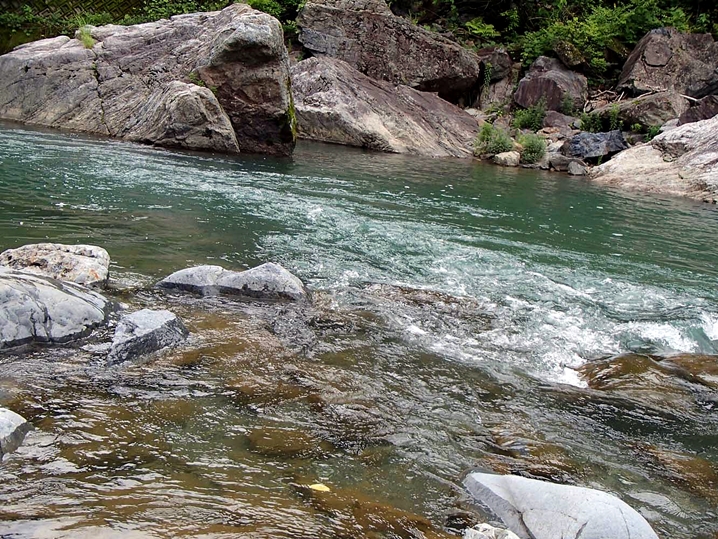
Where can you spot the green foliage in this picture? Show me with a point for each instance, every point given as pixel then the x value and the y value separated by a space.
pixel 194 79
pixel 531 118
pixel 568 107
pixel 534 148
pixel 591 123
pixel 652 131
pixel 637 128
pixel 85 36
pixel 484 32
pixel 614 122
pixel 271 7
pixel 492 140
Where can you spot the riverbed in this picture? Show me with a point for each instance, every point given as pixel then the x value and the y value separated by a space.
pixel 460 314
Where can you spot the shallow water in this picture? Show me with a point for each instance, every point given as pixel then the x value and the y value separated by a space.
pixel 455 304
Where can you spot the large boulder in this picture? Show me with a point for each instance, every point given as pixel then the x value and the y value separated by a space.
pixel 143 332
pixel 42 310
pixel 82 264
pixel 13 428
pixel 666 59
pixel 207 81
pixel 595 145
pixel 268 281
pixel 371 39
pixel 550 81
pixel 682 162
pixel 648 110
pixel 705 109
pixel 335 103
pixel 535 509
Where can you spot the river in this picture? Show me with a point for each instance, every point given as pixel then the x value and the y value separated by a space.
pixel 459 308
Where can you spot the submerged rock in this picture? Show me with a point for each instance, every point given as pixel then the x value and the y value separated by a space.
pixel 144 82
pixel 682 162
pixel 666 59
pixel 144 332
pixel 42 310
pixel 371 39
pixel 336 103
pixel 82 264
pixel 13 428
pixel 268 281
pixel 540 510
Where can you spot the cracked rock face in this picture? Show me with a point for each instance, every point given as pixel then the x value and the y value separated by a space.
pixel 214 81
pixel 268 281
pixel 371 39
pixel 144 332
pixel 13 429
pixel 42 310
pixel 82 264
pixel 535 509
pixel 336 103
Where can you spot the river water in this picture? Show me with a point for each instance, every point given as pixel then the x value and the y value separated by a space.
pixel 459 310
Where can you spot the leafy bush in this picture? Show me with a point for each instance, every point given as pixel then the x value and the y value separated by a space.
pixel 531 118
pixel 614 122
pixel 534 148
pixel 652 131
pixel 591 123
pixel 492 140
pixel 568 107
pixel 86 37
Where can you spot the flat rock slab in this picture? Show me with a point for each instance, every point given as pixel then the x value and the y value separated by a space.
pixel 42 310
pixel 82 264
pixel 268 281
pixel 143 332
pixel 540 510
pixel 338 104
pixel 13 428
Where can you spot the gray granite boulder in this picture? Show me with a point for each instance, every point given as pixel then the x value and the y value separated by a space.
pixel 336 103
pixel 268 281
pixel 374 41
pixel 647 110
pixel 666 59
pixel 550 81
pixel 144 332
pixel 13 428
pixel 82 264
pixel 595 145
pixel 535 509
pixel 207 81
pixel 705 109
pixel 42 310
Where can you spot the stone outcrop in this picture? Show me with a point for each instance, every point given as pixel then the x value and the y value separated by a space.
pixel 499 94
pixel 41 310
pixel 507 159
pixel 705 109
pixel 535 509
pixel 595 145
pixel 372 40
pixel 143 332
pixel 682 162
pixel 487 531
pixel 13 428
pixel 82 264
pixel 205 81
pixel 268 281
pixel 335 103
pixel 549 80
pixel 648 110
pixel 666 59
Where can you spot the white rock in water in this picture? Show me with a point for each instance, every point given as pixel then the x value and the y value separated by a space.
pixel 82 264
pixel 540 510
pixel 144 332
pixel 268 281
pixel 13 428
pixel 487 531
pixel 39 309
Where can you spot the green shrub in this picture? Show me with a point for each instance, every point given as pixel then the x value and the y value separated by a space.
pixel 652 131
pixel 492 140
pixel 614 122
pixel 534 148
pixel 568 107
pixel 591 123
pixel 85 36
pixel 531 118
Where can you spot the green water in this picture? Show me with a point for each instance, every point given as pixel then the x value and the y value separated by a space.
pixel 552 272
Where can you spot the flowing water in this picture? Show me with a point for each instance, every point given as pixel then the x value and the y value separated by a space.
pixel 458 312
